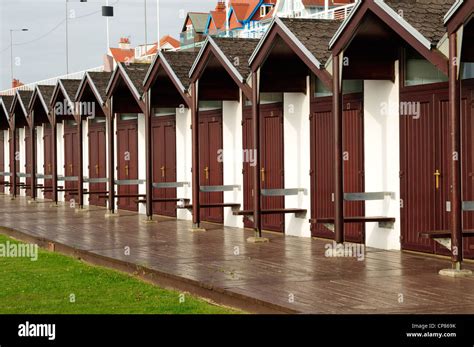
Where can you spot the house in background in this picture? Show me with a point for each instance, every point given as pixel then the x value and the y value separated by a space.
pixel 193 31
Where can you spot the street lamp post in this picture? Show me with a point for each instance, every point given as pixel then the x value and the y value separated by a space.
pixel 67 40
pixel 11 51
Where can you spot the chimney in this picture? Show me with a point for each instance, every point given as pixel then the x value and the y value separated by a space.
pixel 16 83
pixel 124 43
pixel 221 5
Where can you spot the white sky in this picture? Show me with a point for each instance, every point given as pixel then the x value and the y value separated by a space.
pixel 41 51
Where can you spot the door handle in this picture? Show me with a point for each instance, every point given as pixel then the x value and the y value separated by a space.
pixel 262 174
pixel 206 170
pixel 49 168
pixel 126 170
pixel 96 169
pixel 70 169
pixel 437 174
pixel 162 171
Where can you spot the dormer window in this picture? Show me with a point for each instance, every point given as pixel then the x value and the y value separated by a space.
pixel 264 10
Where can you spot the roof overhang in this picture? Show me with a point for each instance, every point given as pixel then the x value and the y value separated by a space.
pixel 60 88
pixel 37 94
pixel 209 48
pixel 87 81
pixel 5 121
pixel 344 35
pixel 278 28
pixel 459 14
pixel 160 61
pixel 121 73
pixel 17 100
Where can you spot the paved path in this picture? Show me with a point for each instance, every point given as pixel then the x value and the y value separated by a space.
pixel 288 274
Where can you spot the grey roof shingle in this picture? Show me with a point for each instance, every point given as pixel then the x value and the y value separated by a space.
pixel 181 62
pixel 25 96
pixel 238 52
pixel 314 34
pixel 71 87
pixel 47 93
pixel 7 101
pixel 100 80
pixel 136 72
pixel 426 16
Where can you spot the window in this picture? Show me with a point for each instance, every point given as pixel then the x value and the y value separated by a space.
pixel 210 105
pixel 128 116
pixel 162 111
pixel 348 87
pixel 270 98
pixel 264 10
pixel 420 71
pixel 189 31
pixel 467 70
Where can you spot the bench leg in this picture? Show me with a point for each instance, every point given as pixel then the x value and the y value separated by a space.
pixel 257 239
pixel 197 228
pixel 455 271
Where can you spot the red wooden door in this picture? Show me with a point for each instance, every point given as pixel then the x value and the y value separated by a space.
pixel 354 182
pixel 48 160
pixel 248 169
pixel 15 156
pixel 2 158
pixel 322 168
pixel 164 163
pixel 70 159
pixel 28 160
pixel 97 160
pixel 272 167
pixel 127 161
pixel 211 170
pixel 468 160
pixel 424 153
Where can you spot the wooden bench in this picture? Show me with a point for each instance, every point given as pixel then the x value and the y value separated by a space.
pixel 384 222
pixel 143 201
pixel 443 237
pixel 233 206
pixel 299 212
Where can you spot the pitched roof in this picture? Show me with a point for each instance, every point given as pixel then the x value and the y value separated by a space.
pixel 199 20
pixel 164 40
pixel 181 62
pixel 218 17
pixel 314 34
pixel 238 52
pixel 5 104
pixel 25 97
pixel 100 81
pixel 136 73
pixel 426 16
pixel 7 101
pixel 122 55
pixel 46 92
pixel 244 9
pixel 70 87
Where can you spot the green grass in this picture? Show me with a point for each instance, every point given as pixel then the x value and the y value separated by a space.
pixel 45 287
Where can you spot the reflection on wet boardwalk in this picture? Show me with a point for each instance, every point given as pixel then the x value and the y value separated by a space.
pixel 288 274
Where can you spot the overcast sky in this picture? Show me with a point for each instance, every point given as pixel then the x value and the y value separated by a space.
pixel 40 52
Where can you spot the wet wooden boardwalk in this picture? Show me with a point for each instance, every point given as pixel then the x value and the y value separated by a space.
pixel 288 274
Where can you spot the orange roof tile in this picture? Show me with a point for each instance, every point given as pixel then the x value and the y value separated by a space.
pixel 122 55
